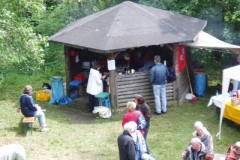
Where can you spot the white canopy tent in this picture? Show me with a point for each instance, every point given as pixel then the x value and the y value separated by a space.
pixel 205 40
pixel 228 74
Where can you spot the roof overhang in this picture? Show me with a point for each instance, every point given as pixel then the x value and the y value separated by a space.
pixel 205 40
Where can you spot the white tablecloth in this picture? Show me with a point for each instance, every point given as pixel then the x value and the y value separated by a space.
pixel 217 100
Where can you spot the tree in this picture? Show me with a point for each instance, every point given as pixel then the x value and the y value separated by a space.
pixel 20 47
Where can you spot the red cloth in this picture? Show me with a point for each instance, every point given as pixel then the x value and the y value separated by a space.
pixel 181 58
pixel 130 116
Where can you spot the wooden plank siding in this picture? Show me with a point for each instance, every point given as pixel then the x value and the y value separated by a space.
pixel 138 83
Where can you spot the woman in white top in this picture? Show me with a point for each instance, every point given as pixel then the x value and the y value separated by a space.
pixel 95 85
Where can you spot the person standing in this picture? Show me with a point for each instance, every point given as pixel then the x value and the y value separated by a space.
pixel 236 84
pixel 29 109
pixel 126 144
pixel 145 110
pixel 132 114
pixel 94 85
pixel 233 152
pixel 158 76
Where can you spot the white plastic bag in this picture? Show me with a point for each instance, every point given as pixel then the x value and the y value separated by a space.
pixel 103 111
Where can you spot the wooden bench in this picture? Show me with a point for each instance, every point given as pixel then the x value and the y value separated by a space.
pixel 28 122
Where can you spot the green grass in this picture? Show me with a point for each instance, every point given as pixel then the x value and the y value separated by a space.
pixel 76 134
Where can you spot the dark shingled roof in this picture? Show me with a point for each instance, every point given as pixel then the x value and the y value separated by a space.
pixel 129 25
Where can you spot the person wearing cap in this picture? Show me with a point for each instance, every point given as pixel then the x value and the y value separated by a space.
pixel 233 152
pixel 30 109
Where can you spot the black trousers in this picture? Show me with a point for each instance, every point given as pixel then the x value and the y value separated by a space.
pixel 92 102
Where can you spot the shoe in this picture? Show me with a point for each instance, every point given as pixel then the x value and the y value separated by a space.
pixel 163 112
pixel 157 113
pixel 44 129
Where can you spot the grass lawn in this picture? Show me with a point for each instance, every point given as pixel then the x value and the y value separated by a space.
pixel 76 134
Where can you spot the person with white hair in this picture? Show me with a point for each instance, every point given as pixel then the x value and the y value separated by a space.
pixel 12 152
pixel 30 109
pixel 203 135
pixel 195 151
pixel 141 147
pixel 126 144
pixel 233 152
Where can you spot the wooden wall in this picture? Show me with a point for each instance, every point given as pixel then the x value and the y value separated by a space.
pixel 182 82
pixel 127 85
pixel 138 83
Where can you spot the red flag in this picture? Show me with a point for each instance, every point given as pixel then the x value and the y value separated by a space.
pixel 181 58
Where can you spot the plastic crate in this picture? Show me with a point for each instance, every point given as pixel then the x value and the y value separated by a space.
pixel 43 95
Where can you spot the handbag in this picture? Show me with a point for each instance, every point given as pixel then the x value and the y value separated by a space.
pixel 141 121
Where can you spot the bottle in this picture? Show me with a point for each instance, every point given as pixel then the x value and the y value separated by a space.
pixel 216 92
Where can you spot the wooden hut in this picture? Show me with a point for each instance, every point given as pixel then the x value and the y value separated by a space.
pixel 130 25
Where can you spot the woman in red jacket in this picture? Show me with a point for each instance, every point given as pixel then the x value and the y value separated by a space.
pixel 132 114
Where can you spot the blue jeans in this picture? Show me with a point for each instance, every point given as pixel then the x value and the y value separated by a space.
pixel 41 118
pixel 145 137
pixel 160 91
pixel 236 86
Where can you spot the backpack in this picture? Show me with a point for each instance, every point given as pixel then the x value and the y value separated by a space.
pixel 141 121
pixel 172 76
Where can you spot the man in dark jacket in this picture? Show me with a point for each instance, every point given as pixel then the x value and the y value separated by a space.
pixel 126 144
pixel 195 151
pixel 158 77
pixel 29 109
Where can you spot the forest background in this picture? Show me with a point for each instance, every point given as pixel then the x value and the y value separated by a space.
pixel 26 57
pixel 26 25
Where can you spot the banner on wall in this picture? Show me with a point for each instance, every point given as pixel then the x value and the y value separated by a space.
pixel 181 57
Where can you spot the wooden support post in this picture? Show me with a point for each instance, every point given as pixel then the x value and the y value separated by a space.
pixel 113 90
pixel 67 67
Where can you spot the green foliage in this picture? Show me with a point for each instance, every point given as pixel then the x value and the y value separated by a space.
pixel 56 18
pixel 19 44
